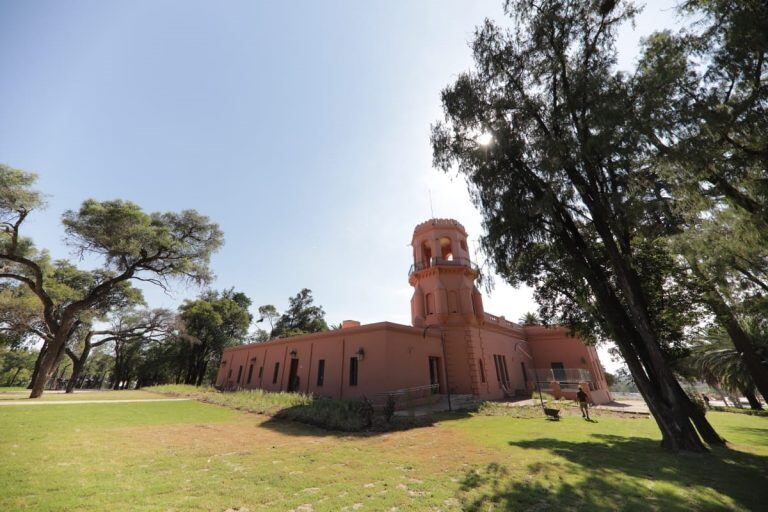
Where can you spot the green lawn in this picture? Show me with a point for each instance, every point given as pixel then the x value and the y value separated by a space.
pixel 13 389
pixel 195 456
pixel 23 395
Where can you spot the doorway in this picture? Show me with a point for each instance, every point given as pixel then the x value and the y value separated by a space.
pixel 434 375
pixel 293 377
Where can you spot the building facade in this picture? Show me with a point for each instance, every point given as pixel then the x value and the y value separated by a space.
pixel 452 345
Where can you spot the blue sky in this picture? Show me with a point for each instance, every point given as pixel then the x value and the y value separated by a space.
pixel 302 128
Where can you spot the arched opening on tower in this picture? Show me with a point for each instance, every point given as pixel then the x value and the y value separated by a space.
pixel 426 254
pixel 446 251
pixel 430 299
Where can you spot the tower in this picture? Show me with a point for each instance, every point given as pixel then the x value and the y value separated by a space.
pixel 445 296
pixel 443 276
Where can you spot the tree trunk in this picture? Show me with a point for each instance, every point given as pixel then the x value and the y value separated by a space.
pixel 741 340
pixel 642 355
pixel 637 320
pixel 653 359
pixel 48 362
pixel 201 372
pixel 657 386
pixel 35 371
pixel 719 391
pixel 672 417
pixel 78 363
pixel 77 368
pixel 703 426
pixel 754 403
pixel 13 379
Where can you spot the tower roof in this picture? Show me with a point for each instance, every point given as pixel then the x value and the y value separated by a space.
pixel 439 223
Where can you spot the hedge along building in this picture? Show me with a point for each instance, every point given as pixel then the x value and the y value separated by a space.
pixel 452 344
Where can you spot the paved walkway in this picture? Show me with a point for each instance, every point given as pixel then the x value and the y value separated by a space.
pixel 62 402
pixel 627 406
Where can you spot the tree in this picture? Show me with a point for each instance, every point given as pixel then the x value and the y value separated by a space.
pixel 16 365
pixel 530 318
pixel 569 205
pixel 162 362
pixel 209 324
pixel 20 320
pixel 268 312
pixel 704 92
pixel 128 327
pixel 705 89
pixel 729 268
pixel 23 317
pixel 134 245
pixel 259 336
pixel 716 362
pixel 301 317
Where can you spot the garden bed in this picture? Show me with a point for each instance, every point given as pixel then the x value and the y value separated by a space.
pixel 326 413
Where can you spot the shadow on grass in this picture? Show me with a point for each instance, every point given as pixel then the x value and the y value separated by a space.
pixel 314 420
pixel 613 472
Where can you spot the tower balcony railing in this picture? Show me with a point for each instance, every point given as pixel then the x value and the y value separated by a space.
pixel 442 262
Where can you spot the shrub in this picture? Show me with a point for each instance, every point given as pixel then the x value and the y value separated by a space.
pixel 736 410
pixel 327 413
pixel 389 408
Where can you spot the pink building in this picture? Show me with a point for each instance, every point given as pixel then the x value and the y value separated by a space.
pixel 452 344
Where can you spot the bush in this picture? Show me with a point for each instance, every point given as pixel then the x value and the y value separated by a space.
pixel 736 410
pixel 327 413
pixel 389 408
pixel 547 397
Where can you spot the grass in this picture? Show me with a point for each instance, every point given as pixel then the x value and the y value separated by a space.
pixel 81 395
pixel 13 389
pixel 189 455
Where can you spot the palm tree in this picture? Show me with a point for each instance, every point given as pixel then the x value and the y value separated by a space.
pixel 530 318
pixel 716 361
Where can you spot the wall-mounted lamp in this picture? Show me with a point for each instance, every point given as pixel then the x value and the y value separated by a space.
pixel 360 354
pixel 293 354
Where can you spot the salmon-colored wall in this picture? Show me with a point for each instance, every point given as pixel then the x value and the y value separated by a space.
pixel 555 345
pixel 512 345
pixel 393 357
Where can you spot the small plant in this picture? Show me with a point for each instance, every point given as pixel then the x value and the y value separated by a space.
pixel 366 411
pixel 327 413
pixel 389 408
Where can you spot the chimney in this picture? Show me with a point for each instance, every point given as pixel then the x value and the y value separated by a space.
pixel 348 324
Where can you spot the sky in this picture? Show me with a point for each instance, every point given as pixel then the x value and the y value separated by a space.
pixel 301 128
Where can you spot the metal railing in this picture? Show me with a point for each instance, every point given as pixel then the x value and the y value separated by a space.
pixel 429 389
pixel 561 375
pixel 408 398
pixel 442 262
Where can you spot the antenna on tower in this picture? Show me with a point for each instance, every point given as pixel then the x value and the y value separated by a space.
pixel 431 210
